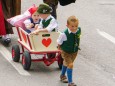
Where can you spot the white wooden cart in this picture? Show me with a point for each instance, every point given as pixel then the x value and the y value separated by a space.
pixel 44 43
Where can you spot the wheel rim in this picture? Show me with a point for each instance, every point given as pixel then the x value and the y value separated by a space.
pixel 23 60
pixel 13 53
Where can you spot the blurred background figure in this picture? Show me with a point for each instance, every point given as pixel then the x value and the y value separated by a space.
pixel 53 4
pixel 8 9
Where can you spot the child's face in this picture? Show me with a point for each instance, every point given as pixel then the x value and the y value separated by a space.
pixel 44 16
pixel 35 17
pixel 73 26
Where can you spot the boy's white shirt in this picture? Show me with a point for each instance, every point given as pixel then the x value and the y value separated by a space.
pixel 53 24
pixel 62 37
pixel 27 22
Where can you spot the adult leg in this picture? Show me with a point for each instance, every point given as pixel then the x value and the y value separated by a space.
pixel 10 8
pixel 54 13
pixel 53 4
pixel 2 23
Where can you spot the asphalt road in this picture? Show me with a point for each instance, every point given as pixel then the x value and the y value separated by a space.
pixel 95 64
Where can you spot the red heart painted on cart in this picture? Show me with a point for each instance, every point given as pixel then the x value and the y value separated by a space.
pixel 46 42
pixel 24 36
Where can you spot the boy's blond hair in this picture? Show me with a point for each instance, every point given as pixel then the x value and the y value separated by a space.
pixel 72 19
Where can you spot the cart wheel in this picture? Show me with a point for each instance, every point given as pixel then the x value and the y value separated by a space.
pixel 51 55
pixel 60 61
pixel 15 53
pixel 26 60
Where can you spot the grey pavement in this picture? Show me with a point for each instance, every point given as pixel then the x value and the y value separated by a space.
pixel 95 64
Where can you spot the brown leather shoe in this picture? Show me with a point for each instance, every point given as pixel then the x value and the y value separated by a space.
pixel 63 78
pixel 72 84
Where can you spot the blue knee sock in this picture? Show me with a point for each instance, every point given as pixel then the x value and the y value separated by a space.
pixel 69 75
pixel 63 70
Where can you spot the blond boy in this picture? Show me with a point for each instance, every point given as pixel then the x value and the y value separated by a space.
pixel 68 43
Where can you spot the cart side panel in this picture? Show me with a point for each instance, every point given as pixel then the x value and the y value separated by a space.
pixel 23 35
pixel 45 41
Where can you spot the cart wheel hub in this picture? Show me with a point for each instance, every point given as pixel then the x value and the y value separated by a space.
pixel 13 53
pixel 23 60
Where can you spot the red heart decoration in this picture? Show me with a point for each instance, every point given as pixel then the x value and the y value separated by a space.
pixel 46 42
pixel 24 36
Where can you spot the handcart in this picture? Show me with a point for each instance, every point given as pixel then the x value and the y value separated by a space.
pixel 43 44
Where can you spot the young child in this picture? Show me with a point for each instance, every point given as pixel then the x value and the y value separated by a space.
pixel 68 43
pixel 32 22
pixel 48 22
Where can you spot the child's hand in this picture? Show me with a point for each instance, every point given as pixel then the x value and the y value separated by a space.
pixel 59 48
pixel 31 25
pixel 36 26
pixel 36 32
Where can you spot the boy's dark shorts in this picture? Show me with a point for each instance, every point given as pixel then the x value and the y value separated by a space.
pixel 68 57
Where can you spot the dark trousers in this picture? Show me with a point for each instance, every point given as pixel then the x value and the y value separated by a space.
pixel 54 14
pixel 54 7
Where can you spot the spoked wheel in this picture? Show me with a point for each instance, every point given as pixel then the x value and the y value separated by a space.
pixel 15 53
pixel 26 60
pixel 60 61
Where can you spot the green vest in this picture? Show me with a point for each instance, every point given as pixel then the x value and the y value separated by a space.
pixel 71 45
pixel 46 23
